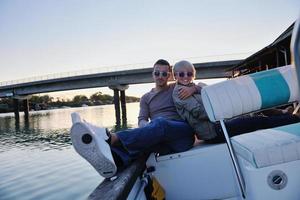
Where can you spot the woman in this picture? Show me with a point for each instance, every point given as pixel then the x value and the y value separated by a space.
pixel 192 110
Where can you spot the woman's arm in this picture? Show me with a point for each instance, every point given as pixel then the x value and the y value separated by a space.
pixel 192 104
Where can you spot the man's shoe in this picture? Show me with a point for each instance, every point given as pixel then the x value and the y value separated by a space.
pixel 75 117
pixel 93 148
pixel 99 131
pixel 103 132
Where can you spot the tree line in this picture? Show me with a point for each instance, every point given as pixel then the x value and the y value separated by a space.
pixel 43 102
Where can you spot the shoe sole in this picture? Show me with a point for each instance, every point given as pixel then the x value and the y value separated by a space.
pixel 96 151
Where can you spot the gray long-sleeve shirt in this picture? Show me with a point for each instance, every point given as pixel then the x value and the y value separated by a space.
pixel 155 104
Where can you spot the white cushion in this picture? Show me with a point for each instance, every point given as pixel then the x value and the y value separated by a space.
pixel 250 93
pixel 270 146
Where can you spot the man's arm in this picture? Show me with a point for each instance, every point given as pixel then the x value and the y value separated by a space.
pixel 144 112
pixel 143 123
pixel 186 92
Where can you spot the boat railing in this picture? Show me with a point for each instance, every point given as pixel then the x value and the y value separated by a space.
pixel 295 48
pixel 119 187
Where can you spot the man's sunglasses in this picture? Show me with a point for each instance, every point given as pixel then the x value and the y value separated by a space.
pixel 184 74
pixel 159 73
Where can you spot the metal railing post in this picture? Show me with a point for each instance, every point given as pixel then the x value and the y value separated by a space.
pixel 295 48
pixel 234 161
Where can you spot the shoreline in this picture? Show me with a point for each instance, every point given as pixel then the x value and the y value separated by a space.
pixel 36 112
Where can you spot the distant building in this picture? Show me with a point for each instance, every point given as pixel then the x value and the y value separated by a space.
pixel 274 55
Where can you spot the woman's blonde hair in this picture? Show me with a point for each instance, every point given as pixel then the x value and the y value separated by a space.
pixel 184 64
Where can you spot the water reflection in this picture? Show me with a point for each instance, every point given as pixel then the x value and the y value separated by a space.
pixel 28 133
pixel 37 159
pixel 50 129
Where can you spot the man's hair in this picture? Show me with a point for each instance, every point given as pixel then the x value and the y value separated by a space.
pixel 163 62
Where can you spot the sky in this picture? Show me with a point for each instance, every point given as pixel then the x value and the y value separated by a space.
pixel 41 37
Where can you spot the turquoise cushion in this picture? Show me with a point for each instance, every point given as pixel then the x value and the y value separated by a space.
pixel 249 93
pixel 272 87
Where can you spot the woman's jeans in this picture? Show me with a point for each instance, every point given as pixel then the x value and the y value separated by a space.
pixel 248 124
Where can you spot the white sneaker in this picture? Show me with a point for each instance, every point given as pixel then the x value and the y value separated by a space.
pixel 93 148
pixel 75 117
pixel 99 131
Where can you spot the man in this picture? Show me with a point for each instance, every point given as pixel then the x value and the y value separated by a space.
pixel 165 133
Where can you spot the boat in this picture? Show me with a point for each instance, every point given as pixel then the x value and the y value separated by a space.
pixel 259 165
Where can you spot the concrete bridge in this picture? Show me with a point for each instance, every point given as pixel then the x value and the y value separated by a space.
pixel 117 80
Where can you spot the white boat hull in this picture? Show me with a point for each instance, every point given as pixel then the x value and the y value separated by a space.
pixel 204 172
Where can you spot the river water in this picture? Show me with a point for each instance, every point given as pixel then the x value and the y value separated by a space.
pixel 38 160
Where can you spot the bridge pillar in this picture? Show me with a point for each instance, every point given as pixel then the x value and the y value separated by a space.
pixel 119 93
pixel 117 106
pixel 26 108
pixel 123 106
pixel 24 99
pixel 16 109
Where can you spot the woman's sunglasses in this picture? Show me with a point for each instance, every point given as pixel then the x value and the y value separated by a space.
pixel 159 73
pixel 184 74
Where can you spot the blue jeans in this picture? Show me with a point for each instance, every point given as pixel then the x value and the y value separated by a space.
pixel 160 136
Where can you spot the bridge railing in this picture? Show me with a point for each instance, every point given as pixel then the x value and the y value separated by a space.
pixel 116 68
pixel 77 73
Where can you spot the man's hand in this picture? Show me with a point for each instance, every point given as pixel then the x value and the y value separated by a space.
pixel 143 123
pixel 186 92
